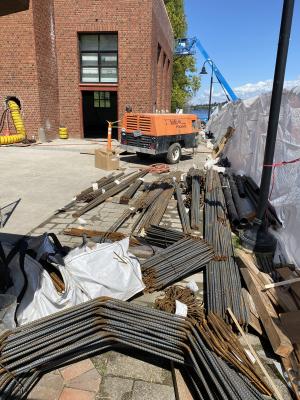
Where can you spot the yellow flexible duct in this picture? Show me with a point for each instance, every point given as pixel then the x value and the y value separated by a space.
pixel 18 123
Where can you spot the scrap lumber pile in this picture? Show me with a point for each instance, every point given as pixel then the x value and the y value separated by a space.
pixel 278 307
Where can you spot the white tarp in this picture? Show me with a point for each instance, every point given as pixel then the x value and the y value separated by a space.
pixel 245 151
pixel 106 270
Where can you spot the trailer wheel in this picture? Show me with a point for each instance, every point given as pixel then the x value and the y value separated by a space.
pixel 174 153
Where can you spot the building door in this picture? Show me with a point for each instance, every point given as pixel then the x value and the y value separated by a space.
pixel 99 107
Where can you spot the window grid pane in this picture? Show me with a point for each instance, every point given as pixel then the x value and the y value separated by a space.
pixel 89 43
pixel 109 75
pixel 90 74
pixel 108 42
pixel 89 59
pixel 99 59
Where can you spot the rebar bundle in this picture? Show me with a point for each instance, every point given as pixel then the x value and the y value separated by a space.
pixel 147 199
pixel 100 235
pixel 162 237
pixel 184 218
pixel 118 188
pixel 172 264
pixel 223 282
pixel 101 183
pixel 104 324
pixel 120 221
pixel 155 212
pixel 130 192
pixel 231 209
pixel 195 177
pixel 216 333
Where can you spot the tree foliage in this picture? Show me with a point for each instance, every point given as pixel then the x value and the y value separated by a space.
pixel 185 81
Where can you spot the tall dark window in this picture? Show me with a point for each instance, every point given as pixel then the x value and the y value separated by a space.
pixel 99 58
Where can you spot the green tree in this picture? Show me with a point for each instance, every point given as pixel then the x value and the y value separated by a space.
pixel 185 81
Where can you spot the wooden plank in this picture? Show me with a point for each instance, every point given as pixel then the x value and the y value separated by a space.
pixel 220 147
pixel 279 296
pixel 282 283
pixel 292 375
pixel 257 359
pixel 254 322
pixel 291 325
pixel 287 273
pixel 279 341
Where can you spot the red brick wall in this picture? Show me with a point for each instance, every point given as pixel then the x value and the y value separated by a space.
pixel 44 32
pixel 28 65
pixel 18 73
pixel 40 59
pixel 137 23
pixel 162 79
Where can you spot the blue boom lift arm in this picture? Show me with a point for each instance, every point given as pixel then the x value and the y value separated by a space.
pixel 185 47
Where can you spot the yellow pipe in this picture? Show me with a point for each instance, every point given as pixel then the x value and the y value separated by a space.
pixel 18 123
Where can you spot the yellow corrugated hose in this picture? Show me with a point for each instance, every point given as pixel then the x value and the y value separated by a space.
pixel 18 123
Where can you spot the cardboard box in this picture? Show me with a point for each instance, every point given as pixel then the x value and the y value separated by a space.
pixel 107 160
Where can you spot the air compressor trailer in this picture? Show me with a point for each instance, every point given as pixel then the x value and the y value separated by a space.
pixel 159 134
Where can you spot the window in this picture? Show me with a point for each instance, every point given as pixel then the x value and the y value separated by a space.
pixel 99 58
pixel 102 100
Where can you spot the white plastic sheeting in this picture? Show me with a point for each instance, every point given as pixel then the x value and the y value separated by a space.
pixel 245 151
pixel 105 270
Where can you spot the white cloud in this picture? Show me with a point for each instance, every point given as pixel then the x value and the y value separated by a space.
pixel 245 91
pixel 254 89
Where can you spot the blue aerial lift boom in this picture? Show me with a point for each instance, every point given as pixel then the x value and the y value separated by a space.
pixel 185 47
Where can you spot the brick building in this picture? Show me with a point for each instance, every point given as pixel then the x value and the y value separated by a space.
pixel 79 63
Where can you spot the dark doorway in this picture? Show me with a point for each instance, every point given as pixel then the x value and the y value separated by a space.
pixel 99 107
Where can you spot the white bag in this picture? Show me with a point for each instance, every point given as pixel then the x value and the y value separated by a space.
pixel 106 270
pixel 40 297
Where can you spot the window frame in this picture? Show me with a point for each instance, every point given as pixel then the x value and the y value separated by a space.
pixel 102 96
pixel 99 53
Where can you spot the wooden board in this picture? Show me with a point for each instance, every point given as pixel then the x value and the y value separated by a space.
pixel 291 325
pixel 278 296
pixel 279 341
pixel 286 273
pixel 219 148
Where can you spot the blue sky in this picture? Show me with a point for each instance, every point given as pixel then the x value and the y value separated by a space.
pixel 241 37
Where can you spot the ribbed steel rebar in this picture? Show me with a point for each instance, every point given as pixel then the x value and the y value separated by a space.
pixel 130 192
pixel 172 264
pixel 118 188
pixel 223 282
pixel 155 212
pixel 100 184
pixel 184 218
pixel 161 236
pixel 195 178
pixel 104 324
